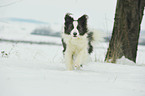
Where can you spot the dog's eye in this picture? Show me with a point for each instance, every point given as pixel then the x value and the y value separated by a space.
pixel 78 27
pixel 71 26
pixel 68 28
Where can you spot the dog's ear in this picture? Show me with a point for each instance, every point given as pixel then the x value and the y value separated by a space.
pixel 83 19
pixel 68 18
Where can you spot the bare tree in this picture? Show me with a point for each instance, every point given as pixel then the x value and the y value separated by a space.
pixel 126 30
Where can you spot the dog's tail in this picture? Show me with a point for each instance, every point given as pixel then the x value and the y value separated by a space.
pixel 96 36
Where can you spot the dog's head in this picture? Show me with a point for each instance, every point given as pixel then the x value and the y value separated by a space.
pixel 75 28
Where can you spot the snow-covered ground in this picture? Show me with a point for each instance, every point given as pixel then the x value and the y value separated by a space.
pixel 38 70
pixel 14 30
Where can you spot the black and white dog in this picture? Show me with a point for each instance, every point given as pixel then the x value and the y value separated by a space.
pixel 77 41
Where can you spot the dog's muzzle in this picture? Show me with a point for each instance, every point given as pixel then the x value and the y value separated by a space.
pixel 75 34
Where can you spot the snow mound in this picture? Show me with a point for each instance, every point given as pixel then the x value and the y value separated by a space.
pixel 124 61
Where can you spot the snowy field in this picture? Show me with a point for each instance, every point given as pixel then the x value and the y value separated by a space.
pixel 38 70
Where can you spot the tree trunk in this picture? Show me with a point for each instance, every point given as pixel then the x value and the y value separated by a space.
pixel 125 35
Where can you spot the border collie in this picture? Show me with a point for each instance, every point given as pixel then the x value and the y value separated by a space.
pixel 76 41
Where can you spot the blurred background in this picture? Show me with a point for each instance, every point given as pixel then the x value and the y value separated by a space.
pixel 46 17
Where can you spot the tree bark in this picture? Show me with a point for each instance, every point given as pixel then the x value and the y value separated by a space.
pixel 125 35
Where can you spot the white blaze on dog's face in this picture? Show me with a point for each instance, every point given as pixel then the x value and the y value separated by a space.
pixel 75 31
pixel 75 28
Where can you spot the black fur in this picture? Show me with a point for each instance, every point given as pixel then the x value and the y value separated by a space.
pixel 82 28
pixel 82 25
pixel 90 49
pixel 68 23
pixel 64 45
pixel 90 38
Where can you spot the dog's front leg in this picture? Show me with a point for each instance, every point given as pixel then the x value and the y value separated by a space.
pixel 80 58
pixel 69 60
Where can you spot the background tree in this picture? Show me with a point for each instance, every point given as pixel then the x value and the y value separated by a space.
pixel 125 35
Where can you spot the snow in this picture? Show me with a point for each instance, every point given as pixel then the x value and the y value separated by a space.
pixel 22 32
pixel 39 70
pixel 124 60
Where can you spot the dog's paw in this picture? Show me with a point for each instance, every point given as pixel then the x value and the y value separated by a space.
pixel 76 65
pixel 81 65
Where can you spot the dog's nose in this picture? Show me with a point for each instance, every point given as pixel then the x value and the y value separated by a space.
pixel 75 33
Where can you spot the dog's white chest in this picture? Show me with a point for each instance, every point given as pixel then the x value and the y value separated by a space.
pixel 77 44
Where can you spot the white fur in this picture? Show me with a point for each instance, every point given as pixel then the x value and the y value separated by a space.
pixel 75 23
pixel 98 36
pixel 77 47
